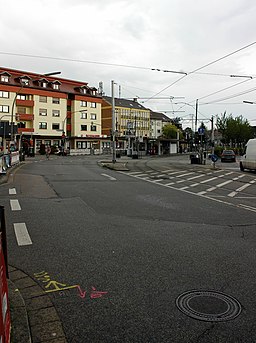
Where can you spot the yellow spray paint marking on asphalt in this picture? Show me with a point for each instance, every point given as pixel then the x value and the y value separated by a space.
pixel 52 285
pixel 55 286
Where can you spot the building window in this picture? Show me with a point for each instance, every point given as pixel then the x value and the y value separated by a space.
pixel 21 110
pixel 44 84
pixel 42 98
pixel 83 127
pixel 55 100
pixel 24 81
pixel 4 109
pixel 55 126
pixel 93 128
pixel 83 115
pixel 43 112
pixel 43 125
pixel 83 145
pixel 83 103
pixel 21 96
pixel 93 116
pixel 55 113
pixel 5 78
pixel 55 86
pixel 4 94
pixel 93 104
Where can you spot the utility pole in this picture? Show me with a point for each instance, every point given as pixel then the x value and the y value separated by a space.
pixel 113 122
pixel 212 137
pixel 196 115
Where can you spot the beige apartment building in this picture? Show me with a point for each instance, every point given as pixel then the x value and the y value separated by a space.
pixel 132 124
pixel 38 110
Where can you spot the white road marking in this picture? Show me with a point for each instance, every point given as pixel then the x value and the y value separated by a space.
pixel 22 234
pixel 224 183
pixel 208 180
pixel 195 177
pixel 12 191
pixel 186 174
pixel 15 205
pixel 169 185
pixel 250 208
pixel 177 172
pixel 110 177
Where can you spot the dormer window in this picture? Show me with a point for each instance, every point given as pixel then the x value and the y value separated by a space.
pixel 24 80
pixel 5 77
pixel 43 83
pixel 56 85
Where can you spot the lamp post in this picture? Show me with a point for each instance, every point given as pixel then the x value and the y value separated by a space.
pixel 113 123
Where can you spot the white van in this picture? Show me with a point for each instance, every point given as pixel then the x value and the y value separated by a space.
pixel 248 160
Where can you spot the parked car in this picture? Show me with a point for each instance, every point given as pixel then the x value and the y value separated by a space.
pixel 228 156
pixel 248 160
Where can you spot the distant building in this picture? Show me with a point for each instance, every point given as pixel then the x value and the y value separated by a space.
pixel 49 110
pixel 132 124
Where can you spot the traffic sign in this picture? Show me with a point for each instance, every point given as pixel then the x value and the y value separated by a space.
pixel 201 131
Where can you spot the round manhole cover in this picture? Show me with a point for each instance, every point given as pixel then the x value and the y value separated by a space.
pixel 210 306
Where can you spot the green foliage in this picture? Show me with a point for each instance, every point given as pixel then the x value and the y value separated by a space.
pixel 170 131
pixel 234 130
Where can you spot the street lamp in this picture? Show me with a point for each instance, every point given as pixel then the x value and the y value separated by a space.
pixel 249 102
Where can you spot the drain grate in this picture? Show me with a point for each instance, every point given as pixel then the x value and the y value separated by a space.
pixel 210 306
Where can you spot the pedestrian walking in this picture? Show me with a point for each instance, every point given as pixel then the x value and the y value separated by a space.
pixel 47 152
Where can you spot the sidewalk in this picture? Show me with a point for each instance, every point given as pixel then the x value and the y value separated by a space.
pixel 33 316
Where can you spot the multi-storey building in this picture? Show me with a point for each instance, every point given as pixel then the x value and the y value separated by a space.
pixel 42 109
pixel 132 123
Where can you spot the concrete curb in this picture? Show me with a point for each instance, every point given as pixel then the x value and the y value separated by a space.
pixel 33 315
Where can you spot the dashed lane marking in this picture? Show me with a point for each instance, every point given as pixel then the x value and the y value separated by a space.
pixel 12 191
pixel 22 234
pixel 111 178
pixel 15 205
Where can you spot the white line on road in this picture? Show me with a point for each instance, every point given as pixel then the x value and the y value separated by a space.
pixel 15 205
pixel 110 177
pixel 12 191
pixel 250 208
pixel 22 234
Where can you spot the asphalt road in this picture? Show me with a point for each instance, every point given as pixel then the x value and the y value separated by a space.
pixel 116 251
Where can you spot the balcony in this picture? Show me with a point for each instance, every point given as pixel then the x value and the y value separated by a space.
pixel 25 130
pixel 27 103
pixel 20 117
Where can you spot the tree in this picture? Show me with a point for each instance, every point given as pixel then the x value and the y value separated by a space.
pixel 234 130
pixel 170 131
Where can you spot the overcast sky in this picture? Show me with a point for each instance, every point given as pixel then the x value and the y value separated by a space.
pixel 174 35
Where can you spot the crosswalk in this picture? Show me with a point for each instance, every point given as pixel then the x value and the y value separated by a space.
pixel 216 183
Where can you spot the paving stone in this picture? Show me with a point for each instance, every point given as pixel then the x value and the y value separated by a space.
pixel 24 283
pixel 16 275
pixel 47 331
pixel 38 302
pixel 31 292
pixel 11 268
pixel 41 316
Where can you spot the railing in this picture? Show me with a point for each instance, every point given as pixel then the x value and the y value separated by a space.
pixel 8 160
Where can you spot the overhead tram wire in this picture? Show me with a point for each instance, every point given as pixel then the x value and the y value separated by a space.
pixel 204 66
pixel 92 62
pixel 229 97
pixel 221 90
